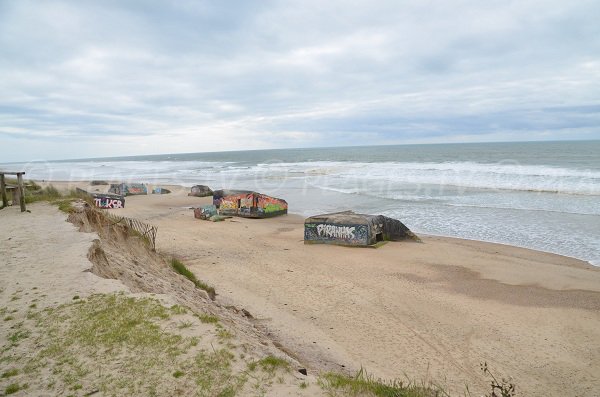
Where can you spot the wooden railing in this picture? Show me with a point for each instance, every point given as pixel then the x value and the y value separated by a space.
pixel 20 187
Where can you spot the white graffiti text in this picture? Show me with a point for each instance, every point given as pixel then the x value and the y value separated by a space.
pixel 334 231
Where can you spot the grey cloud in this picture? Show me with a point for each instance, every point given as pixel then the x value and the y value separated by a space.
pixel 184 76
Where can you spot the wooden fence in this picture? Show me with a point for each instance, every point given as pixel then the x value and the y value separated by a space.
pixel 144 229
pixel 17 191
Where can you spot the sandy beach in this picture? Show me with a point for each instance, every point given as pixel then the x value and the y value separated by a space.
pixel 433 310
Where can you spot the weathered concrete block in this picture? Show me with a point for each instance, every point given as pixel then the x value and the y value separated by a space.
pixel 200 191
pixel 349 228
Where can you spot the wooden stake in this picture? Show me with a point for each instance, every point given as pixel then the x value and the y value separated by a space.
pixel 22 191
pixel 3 190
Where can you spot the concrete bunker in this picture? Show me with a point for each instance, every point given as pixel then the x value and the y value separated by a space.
pixel 352 229
pixel 200 191
pixel 128 189
pixel 248 204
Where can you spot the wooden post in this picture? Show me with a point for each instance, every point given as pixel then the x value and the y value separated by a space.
pixel 22 191
pixel 3 190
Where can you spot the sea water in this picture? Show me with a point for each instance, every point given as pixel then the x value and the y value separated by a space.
pixel 540 195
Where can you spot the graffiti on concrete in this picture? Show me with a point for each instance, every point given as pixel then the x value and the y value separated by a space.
pixel 128 189
pixel 136 188
pixel 108 202
pixel 270 205
pixel 205 212
pixel 248 204
pixel 325 232
pixel 228 204
pixel 345 232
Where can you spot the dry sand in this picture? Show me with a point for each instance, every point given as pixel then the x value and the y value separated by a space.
pixel 436 309
pixel 41 255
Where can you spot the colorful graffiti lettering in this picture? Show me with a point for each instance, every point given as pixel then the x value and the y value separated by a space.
pixel 109 202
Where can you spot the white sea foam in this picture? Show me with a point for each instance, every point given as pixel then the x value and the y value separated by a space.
pixel 459 174
pixel 497 176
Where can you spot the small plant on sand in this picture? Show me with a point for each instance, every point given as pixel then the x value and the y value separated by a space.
pixel 271 363
pixel 207 318
pixel 185 272
pixel 217 377
pixel 13 388
pixel 65 205
pixel 263 372
pixel 178 374
pixel 504 388
pixel 184 324
pixel 178 309
pixel 15 337
pixel 9 373
pixel 223 334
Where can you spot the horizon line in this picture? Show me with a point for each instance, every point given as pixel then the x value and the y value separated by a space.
pixel 302 148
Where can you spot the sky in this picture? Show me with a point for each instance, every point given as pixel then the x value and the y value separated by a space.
pixel 85 79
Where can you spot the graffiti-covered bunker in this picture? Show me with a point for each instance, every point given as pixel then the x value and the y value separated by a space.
pixel 128 189
pixel 248 204
pixel 349 228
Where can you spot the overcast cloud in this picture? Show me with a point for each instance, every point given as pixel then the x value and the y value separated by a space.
pixel 108 78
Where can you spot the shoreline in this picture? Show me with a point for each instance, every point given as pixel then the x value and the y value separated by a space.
pixel 86 183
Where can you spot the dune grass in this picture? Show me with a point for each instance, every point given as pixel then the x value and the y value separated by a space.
pixel 54 196
pixel 207 318
pixel 9 373
pixel 364 384
pixel 185 272
pixel 79 342
pixel 13 388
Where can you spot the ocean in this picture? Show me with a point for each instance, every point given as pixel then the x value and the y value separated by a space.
pixel 540 195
